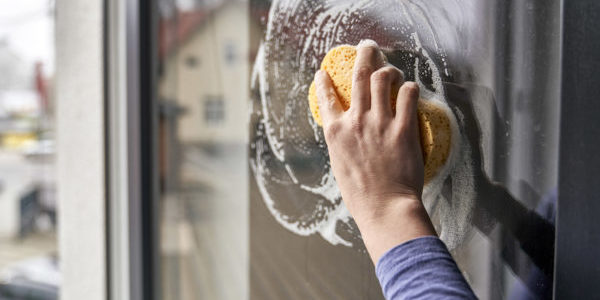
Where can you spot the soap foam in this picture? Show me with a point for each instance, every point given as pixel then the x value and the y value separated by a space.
pixel 288 154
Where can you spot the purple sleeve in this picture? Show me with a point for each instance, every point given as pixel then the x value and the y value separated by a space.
pixel 421 269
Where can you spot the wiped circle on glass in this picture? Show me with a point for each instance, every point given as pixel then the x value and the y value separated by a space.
pixel 288 154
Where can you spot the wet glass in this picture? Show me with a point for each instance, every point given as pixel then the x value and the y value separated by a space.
pixel 28 204
pixel 244 165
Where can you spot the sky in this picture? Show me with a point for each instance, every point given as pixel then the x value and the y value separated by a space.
pixel 28 27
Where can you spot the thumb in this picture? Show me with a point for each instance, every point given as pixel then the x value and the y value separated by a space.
pixel 329 105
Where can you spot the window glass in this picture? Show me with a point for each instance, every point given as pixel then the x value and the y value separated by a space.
pixel 214 110
pixel 203 99
pixel 253 199
pixel 28 204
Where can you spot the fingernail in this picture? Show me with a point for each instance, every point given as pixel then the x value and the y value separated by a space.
pixel 367 43
pixel 319 73
pixel 411 85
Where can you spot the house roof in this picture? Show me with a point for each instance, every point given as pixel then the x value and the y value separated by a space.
pixel 177 30
pixel 174 31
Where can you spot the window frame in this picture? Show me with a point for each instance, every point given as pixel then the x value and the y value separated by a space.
pixel 577 267
pixel 132 185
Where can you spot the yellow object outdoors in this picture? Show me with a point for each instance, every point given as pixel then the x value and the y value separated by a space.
pixel 18 140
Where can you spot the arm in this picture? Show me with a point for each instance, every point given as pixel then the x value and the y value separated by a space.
pixel 377 161
pixel 421 268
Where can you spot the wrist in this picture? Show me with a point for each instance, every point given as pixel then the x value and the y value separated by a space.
pixel 394 222
pixel 370 208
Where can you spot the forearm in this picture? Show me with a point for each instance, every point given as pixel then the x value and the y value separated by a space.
pixel 393 222
pixel 421 268
pixel 411 261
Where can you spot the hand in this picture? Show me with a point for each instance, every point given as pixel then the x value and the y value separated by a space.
pixel 375 155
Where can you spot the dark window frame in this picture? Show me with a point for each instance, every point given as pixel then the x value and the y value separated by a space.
pixel 577 267
pixel 141 158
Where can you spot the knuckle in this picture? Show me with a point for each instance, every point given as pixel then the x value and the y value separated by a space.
pixel 381 76
pixel 394 72
pixel 379 133
pixel 378 124
pixel 330 104
pixel 330 96
pixel 331 130
pixel 363 73
pixel 410 88
pixel 320 86
pixel 325 97
pixel 368 50
pixel 357 122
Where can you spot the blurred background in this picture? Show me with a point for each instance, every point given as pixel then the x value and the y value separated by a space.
pixel 28 206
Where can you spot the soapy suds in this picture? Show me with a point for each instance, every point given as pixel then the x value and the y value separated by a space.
pixel 288 154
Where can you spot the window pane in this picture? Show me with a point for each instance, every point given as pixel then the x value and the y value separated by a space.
pixel 203 94
pixel 494 64
pixel 28 204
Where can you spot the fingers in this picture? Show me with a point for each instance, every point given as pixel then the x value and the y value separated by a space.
pixel 329 106
pixel 382 82
pixel 406 104
pixel 368 59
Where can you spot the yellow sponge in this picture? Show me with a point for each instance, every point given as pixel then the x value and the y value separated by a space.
pixel 434 123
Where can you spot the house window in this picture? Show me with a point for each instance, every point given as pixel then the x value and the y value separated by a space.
pixel 230 52
pixel 214 110
pixel 192 61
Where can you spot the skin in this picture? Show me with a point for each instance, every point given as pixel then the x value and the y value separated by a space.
pixel 375 155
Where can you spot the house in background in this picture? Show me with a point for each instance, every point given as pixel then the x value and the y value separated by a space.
pixel 204 78
pixel 205 59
